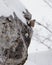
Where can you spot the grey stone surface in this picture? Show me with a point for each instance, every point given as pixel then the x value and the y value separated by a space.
pixel 15 38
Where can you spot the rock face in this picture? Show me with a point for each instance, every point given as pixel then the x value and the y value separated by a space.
pixel 15 32
pixel 15 38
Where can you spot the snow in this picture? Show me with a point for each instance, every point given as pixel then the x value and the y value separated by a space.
pixel 7 7
pixel 43 58
pixel 40 58
pixel 4 10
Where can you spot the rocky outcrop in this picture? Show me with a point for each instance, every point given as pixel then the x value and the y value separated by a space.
pixel 15 38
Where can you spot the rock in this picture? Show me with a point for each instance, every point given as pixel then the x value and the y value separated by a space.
pixel 27 15
pixel 15 38
pixel 31 23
